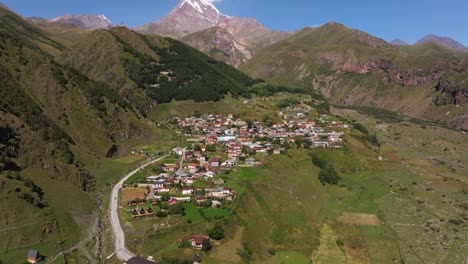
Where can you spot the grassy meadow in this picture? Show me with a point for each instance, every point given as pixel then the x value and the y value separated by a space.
pixel 401 203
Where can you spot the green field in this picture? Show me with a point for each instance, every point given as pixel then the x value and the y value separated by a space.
pixel 192 213
pixel 215 213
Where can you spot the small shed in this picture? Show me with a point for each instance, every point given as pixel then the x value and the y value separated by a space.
pixel 33 256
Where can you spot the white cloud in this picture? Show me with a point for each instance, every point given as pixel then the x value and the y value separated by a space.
pixel 214 1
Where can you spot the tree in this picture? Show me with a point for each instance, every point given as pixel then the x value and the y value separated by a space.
pixel 161 214
pixel 206 245
pixel 217 232
pixel 328 175
pixel 177 208
pixel 206 204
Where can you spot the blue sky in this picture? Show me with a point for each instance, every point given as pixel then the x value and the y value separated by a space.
pixel 406 19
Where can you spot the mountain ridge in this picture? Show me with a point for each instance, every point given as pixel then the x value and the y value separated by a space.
pixel 87 21
pixel 446 41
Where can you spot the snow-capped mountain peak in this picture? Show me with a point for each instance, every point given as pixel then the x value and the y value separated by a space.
pixel 202 9
pixel 200 5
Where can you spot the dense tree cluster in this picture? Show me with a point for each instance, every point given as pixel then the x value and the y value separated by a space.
pixel 188 73
pixel 287 102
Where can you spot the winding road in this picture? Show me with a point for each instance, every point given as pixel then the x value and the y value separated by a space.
pixel 120 249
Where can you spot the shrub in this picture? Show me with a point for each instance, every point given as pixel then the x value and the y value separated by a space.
pixel 361 127
pixel 217 232
pixel 161 214
pixel 328 175
pixel 319 162
pixel 176 209
pixel 245 252
pixel 206 245
pixel 271 251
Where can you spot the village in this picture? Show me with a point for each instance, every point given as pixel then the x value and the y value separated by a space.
pixel 193 180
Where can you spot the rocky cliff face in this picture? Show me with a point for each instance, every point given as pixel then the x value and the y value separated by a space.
pixel 218 43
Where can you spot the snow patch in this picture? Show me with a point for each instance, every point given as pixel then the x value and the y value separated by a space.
pixel 199 5
pixel 105 19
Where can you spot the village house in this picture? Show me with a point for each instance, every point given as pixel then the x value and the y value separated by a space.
pixel 178 151
pixel 196 241
pixel 173 201
pixel 215 161
pixel 220 192
pixel 187 191
pixel 159 183
pixel 162 190
pixel 33 256
pixel 201 199
pixel 250 162
pixel 170 167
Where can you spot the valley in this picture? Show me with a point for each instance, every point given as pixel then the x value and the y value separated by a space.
pixel 205 137
pixel 372 215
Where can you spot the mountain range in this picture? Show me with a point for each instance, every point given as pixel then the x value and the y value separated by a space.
pixel 351 67
pixel 227 38
pixel 77 90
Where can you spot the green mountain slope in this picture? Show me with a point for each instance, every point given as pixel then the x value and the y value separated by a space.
pixel 146 69
pixel 72 98
pixel 55 126
pixel 354 68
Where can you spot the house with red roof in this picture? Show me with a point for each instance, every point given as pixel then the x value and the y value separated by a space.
pixel 215 161
pixel 196 241
pixel 173 201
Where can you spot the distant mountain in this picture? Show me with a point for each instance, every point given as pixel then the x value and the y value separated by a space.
pixel 191 16
pixel 85 21
pixel 446 41
pixel 354 68
pixel 399 42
